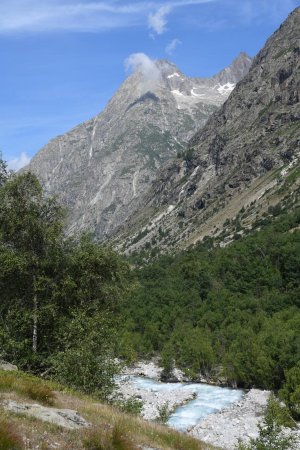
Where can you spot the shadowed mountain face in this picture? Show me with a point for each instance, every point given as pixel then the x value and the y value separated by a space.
pixel 246 154
pixel 101 168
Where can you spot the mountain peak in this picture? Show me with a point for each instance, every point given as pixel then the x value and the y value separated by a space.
pixel 167 68
pixel 236 70
pixel 242 56
pixel 102 167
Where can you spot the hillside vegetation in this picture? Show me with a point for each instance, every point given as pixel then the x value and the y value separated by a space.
pixel 228 313
pixel 109 428
pixel 59 297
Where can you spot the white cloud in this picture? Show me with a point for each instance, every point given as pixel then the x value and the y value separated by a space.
pixel 171 47
pixel 157 21
pixel 67 15
pixel 39 16
pixel 36 16
pixel 151 74
pixel 19 162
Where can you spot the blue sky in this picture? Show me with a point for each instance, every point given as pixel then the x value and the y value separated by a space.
pixel 61 60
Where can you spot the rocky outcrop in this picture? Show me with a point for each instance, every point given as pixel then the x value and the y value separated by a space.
pixel 152 369
pixel 253 138
pixel 66 418
pixel 8 366
pixel 148 369
pixel 101 168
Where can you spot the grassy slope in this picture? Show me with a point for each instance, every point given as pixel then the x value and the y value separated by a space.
pixel 111 429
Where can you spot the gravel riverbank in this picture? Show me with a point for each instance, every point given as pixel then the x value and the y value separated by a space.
pixel 238 421
pixel 154 399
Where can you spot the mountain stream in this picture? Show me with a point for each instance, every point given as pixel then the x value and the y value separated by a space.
pixel 208 399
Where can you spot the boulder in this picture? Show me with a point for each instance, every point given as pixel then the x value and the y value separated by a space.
pixel 7 366
pixel 66 418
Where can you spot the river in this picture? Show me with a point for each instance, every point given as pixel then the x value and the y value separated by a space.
pixel 209 399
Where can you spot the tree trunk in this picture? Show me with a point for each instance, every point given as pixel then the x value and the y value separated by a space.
pixel 35 324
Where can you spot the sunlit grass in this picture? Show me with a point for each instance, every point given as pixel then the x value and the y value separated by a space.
pixel 27 386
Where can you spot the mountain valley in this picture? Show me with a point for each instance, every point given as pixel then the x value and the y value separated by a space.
pixel 150 265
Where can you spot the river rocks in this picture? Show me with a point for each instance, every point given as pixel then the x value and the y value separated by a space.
pixel 7 366
pixel 66 418
pixel 151 369
pixel 239 421
pixel 148 369
pixel 223 428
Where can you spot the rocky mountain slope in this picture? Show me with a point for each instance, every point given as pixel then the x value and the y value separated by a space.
pixel 243 163
pixel 102 167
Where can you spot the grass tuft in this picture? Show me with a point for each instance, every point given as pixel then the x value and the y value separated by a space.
pixel 104 438
pixel 121 440
pixel 39 392
pixel 9 437
pixel 26 386
pixel 96 439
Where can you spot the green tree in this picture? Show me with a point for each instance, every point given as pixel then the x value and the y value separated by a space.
pixel 290 392
pixel 30 231
pixel 4 172
pixel 86 361
pixel 46 281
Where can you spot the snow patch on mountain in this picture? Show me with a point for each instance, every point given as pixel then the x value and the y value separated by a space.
pixel 175 74
pixel 225 89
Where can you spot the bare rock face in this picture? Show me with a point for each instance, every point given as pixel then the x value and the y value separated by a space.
pixel 253 138
pixel 66 418
pixel 101 168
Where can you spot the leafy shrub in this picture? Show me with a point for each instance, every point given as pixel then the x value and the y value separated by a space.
pixel 279 412
pixel 131 405
pixel 9 437
pixel 163 412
